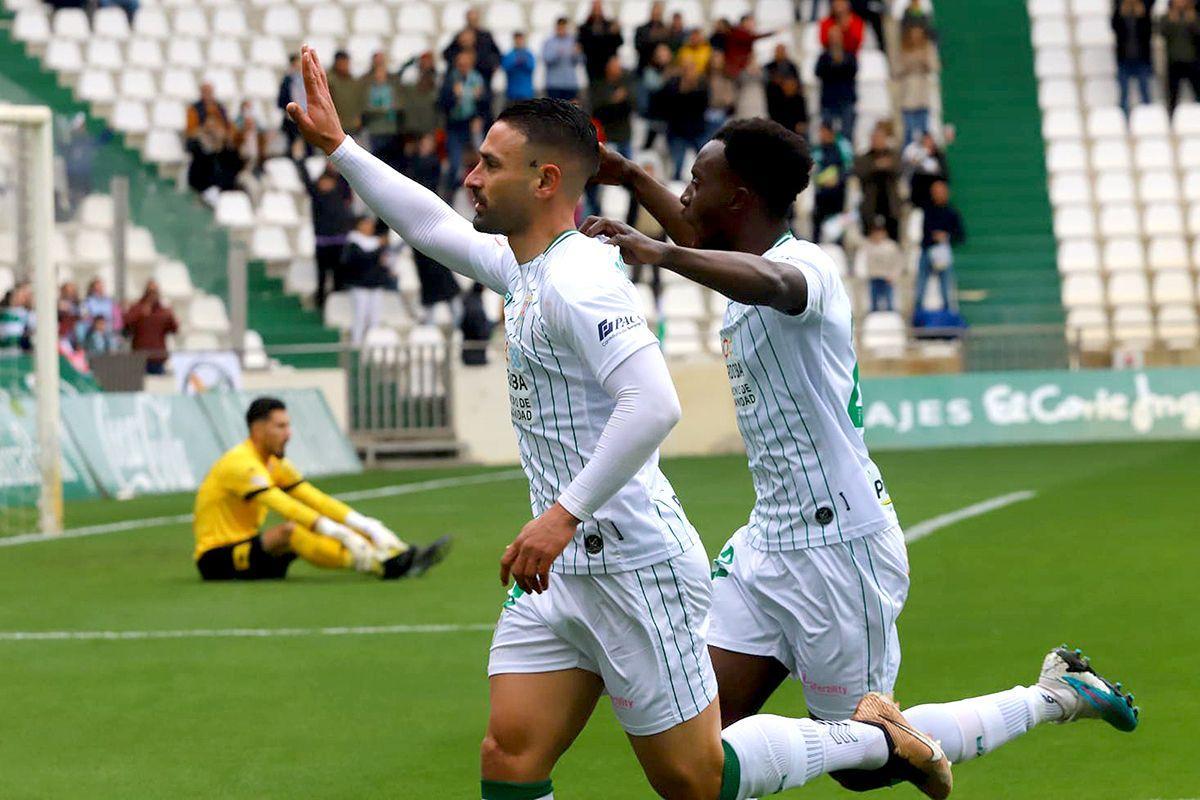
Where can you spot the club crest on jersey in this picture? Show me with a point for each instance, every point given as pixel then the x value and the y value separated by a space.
pixel 593 544
pixel 726 346
pixel 609 328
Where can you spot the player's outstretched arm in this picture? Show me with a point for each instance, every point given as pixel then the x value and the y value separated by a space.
pixel 661 202
pixel 420 217
pixel 742 277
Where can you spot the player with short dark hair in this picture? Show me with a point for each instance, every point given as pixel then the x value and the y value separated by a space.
pixel 591 400
pixel 812 585
pixel 254 477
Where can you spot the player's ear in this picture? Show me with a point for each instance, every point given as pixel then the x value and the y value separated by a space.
pixel 550 177
pixel 740 199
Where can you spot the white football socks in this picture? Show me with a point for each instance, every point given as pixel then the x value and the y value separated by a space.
pixel 978 725
pixel 777 753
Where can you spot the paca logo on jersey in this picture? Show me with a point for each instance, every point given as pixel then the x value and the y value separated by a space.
pixel 609 328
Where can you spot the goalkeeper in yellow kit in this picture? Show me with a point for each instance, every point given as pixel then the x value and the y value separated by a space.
pixel 254 477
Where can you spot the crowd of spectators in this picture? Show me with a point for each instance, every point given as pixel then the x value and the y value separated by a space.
pixel 1134 28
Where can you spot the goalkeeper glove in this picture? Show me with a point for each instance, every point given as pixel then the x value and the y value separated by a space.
pixel 376 531
pixel 362 555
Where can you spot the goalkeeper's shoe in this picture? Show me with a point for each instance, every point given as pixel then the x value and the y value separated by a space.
pixel 413 560
pixel 915 757
pixel 1067 675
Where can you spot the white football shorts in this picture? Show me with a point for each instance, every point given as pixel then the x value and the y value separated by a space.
pixel 826 613
pixel 641 631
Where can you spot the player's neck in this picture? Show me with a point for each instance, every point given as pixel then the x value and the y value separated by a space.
pixel 263 454
pixel 758 236
pixel 533 241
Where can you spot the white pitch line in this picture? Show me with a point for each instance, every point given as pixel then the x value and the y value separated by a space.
pixel 923 529
pixel 176 519
pixel 236 633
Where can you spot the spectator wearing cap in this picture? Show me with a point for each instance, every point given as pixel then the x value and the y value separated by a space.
pixel 518 65
pixel 346 92
pixel 562 56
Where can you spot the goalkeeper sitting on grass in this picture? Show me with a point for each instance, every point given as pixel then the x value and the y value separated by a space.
pixel 253 477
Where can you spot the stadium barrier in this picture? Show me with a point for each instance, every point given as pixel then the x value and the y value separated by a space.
pixel 121 445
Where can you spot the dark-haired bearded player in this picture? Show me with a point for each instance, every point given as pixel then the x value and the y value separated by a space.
pixel 591 401
pixel 812 585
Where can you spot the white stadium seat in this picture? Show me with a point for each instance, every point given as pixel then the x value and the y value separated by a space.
pixel 1078 255
pixel 1074 222
pixel 1189 153
pixel 259 83
pixel 278 208
pixel 129 116
pixel 230 21
pixel 1167 253
pixel 1191 186
pixel 1186 121
pixel 1057 93
pixel 301 277
pixel 180 84
pixel 1062 124
pixel 1149 121
pixel 884 334
pixel 282 21
pixel 329 20
pixel 1114 187
pixel 183 52
pixel 254 356
pixel 1054 63
pixel 151 23
pixel 163 147
pixel 1128 289
pixel 1119 219
pixel 1163 219
pixel 268 51
pixel 103 54
pixel 418 18
pixel 1051 32
pixel 1158 186
pixel 1110 155
pixel 64 56
pixel 1106 123
pixel 373 19
pixel 338 312
pixel 270 243
pixel 168 114
pixel 96 211
pixel 1097 62
pixel 1099 92
pixel 1042 9
pixel 1193 221
pixel 1070 188
pixel 1124 255
pixel 1153 154
pixel 190 21
pixel 96 87
pixel 207 313
pixel 71 23
pixel 1066 157
pixel 32 26
pixel 173 280
pixel 224 83
pixel 1177 327
pixel 138 84
pixel 1093 32
pixel 225 53
pixel 144 54
pixel 1092 8
pixel 111 23
pixel 1087 326
pixel 234 210
pixel 1082 290
pixel 1133 326
pixel 1173 287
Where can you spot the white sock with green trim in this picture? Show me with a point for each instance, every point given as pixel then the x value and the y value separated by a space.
pixel 777 753
pixel 978 725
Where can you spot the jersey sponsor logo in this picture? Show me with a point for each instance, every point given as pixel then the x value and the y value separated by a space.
pixel 259 480
pixel 608 329
pixel 520 398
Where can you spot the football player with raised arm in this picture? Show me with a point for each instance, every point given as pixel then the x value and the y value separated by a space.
pixel 812 585
pixel 612 586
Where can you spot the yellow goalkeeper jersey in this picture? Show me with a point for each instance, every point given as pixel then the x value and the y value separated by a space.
pixel 234 497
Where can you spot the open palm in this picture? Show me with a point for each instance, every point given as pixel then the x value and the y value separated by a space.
pixel 319 123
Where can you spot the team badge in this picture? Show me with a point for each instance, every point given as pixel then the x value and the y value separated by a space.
pixel 593 543
pixel 824 515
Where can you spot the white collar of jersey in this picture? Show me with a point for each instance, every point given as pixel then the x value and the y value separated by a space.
pixel 368 244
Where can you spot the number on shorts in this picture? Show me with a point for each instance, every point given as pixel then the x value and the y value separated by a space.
pixel 241 557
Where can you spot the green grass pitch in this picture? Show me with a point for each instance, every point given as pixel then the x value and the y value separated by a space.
pixel 1104 556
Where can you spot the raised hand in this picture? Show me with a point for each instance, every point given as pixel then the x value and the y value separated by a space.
pixel 319 123
pixel 614 170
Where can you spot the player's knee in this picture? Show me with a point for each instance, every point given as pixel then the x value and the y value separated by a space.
pixel 500 760
pixel 687 781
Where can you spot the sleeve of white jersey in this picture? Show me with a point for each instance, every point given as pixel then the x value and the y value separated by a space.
pixel 818 285
pixel 598 314
pixel 423 219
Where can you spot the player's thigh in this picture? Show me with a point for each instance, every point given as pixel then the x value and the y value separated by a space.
pixel 684 762
pixel 533 718
pixel 746 643
pixel 844 600
pixel 244 561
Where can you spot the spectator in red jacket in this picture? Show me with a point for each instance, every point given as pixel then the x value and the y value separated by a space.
pixel 148 322
pixel 850 23
pixel 739 43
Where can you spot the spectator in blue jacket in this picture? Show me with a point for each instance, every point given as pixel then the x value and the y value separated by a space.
pixel 518 66
pixel 562 55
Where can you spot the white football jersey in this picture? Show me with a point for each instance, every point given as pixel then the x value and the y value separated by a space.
pixel 571 316
pixel 800 411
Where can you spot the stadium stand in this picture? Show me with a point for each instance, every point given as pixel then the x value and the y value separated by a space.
pixel 1125 191
pixel 141 78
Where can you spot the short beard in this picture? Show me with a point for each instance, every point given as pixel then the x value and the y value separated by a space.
pixel 481 224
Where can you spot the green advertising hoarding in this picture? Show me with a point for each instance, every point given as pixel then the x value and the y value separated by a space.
pixel 317 447
pixel 1031 407
pixel 20 477
pixel 141 443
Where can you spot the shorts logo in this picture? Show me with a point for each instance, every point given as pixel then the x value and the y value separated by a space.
pixel 606 329
pixel 622 702
pixel 722 563
pixel 593 543
pixel 827 688
pixel 824 515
